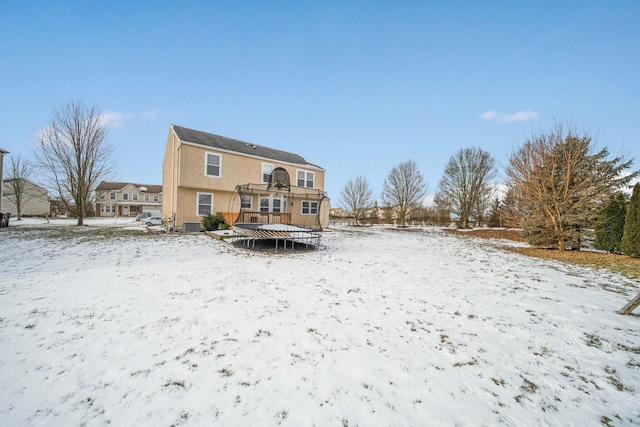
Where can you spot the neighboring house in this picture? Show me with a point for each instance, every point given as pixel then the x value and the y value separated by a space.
pixel 338 213
pixel 2 154
pixel 35 199
pixel 127 199
pixel 205 173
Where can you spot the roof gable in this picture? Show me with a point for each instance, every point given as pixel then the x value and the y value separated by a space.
pixel 116 186
pixel 237 146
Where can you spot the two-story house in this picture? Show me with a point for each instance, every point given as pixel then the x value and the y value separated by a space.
pixel 205 173
pixel 127 199
pixel 33 199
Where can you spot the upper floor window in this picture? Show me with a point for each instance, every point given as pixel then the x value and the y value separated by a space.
pixel 305 179
pixel 212 164
pixel 125 196
pixel 156 198
pixel 102 196
pixel 112 196
pixel 134 197
pixel 267 168
pixel 146 197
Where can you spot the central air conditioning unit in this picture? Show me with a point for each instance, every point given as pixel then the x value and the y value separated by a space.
pixel 191 227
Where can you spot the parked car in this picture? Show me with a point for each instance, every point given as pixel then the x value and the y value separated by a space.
pixel 4 219
pixel 154 220
pixel 143 215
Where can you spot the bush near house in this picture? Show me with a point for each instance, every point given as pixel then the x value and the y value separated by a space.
pixel 213 222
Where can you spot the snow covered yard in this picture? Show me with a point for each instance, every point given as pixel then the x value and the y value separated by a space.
pixel 379 328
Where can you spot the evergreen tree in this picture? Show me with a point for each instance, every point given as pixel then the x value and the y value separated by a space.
pixel 610 225
pixel 495 214
pixel 560 182
pixel 631 237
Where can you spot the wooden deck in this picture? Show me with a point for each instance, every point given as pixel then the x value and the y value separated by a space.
pixel 264 217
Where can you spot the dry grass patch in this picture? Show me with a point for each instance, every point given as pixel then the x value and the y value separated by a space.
pixel 489 233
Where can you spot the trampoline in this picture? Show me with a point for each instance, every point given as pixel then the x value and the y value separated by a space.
pixel 288 234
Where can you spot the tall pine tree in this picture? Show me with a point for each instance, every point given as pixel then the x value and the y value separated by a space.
pixel 610 225
pixel 631 237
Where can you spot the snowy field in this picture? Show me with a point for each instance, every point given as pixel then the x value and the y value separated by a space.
pixel 100 325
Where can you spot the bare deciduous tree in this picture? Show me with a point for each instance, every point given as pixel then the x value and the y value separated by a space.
pixel 560 184
pixel 19 185
pixel 442 211
pixel 465 183
pixel 356 197
pixel 483 204
pixel 403 189
pixel 75 156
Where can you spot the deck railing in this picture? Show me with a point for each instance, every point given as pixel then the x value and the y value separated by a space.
pixel 265 217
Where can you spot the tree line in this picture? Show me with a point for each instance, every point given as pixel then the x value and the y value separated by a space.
pixel 73 156
pixel 558 190
pixel 558 187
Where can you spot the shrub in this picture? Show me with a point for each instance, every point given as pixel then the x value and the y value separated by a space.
pixel 610 225
pixel 631 236
pixel 212 222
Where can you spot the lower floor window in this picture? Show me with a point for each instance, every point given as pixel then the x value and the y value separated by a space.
pixel 205 204
pixel 309 208
pixel 246 202
pixel 272 204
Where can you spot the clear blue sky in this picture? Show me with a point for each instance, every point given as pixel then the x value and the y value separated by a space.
pixel 354 86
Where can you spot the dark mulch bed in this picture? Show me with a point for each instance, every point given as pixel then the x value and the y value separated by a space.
pixel 489 233
pixel 406 229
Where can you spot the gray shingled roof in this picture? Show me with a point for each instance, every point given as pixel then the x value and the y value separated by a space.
pixel 110 186
pixel 229 144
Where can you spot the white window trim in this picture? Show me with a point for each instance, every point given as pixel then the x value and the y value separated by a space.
pixel 260 198
pixel 198 202
pixel 283 203
pixel 206 158
pixel 112 196
pixel 134 197
pixel 146 198
pixel 309 202
pixel 156 198
pixel 125 197
pixel 272 168
pixel 313 174
pixel 250 203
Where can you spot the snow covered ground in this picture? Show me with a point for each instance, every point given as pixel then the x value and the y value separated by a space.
pixel 379 328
